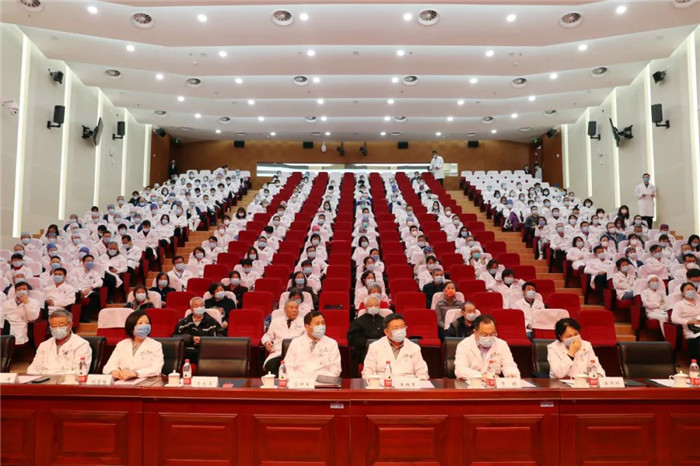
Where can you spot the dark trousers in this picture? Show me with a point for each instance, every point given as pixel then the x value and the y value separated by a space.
pixel 441 181
pixel 273 365
pixel 93 307
pixel 693 348
pixel 649 221
pixel 111 283
pixel 601 282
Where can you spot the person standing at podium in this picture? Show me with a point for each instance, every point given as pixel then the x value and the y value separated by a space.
pixel 313 353
pixel 404 355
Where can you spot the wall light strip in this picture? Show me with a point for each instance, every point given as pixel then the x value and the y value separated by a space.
pixel 125 153
pixel 616 150
pixel 565 155
pixel 147 155
pixel 21 135
pixel 98 159
pixel 694 124
pixel 589 177
pixel 62 196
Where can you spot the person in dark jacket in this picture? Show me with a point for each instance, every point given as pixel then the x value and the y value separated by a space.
pixel 196 325
pixel 436 286
pixel 236 287
pixel 162 287
pixel 463 326
pixel 140 301
pixel 369 326
pixel 220 300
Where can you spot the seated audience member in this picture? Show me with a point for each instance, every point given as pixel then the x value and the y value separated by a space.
pixel 220 301
pixel 404 355
pixel 475 353
pixel 291 325
pixel 141 300
pixel 59 295
pixel 88 281
pixel 509 288
pixel 368 326
pixel 463 326
pixel 654 300
pixel 297 295
pixel 115 264
pixel 19 311
pixel 448 301
pixel 299 282
pixel 686 312
pixel 247 275
pixel 235 286
pixel 63 351
pixel 599 267
pixel 179 275
pixel 163 287
pixel 529 303
pixel 436 286
pixel 623 279
pixel 196 325
pixel 313 353
pixel 137 355
pixel 569 354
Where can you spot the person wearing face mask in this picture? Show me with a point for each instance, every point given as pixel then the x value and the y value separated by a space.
pixel 140 300
pixel 362 251
pixel 569 355
pixel 313 280
pixel 63 351
pixel 115 265
pixel 17 265
pixel 162 286
pixel 313 354
pixel 248 273
pixel 199 259
pixel 368 325
pixel 318 265
pixel 138 355
pixel 491 275
pixel 131 253
pixel 530 303
pixel 646 195
pixel 19 311
pixel 624 279
pixel 510 289
pixel 463 326
pixel 686 312
pixel 437 285
pixel 219 300
pixel 577 253
pixel 449 300
pixel 290 325
pixel 196 324
pixel 404 356
pixel 179 275
pixel 655 264
pixel 474 353
pixel 654 300
pixel 530 224
pixel 234 285
pixel 59 295
pixel 437 164
pixel 88 281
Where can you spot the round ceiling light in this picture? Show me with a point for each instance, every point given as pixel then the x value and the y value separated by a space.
pixel 142 20
pixel 428 17
pixel 519 82
pixel 410 80
pixel 571 20
pixel 599 71
pixel 114 74
pixel 194 82
pixel 487 120
pixel 282 17
pixel 300 80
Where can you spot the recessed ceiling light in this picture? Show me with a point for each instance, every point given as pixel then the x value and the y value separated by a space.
pixel 472 134
pixel 582 47
pixel 621 10
pixel 395 80
pixel 519 83
pixel 218 131
pixel 160 76
pixel 130 48
pixel 473 81
pixel 304 16
pixel 310 53
pixel 525 129
pixel 180 98
pixel 553 76
pixel 272 133
pixel 225 120
pixel 510 18
pixel 490 53
pixel 238 81
pixel 532 98
pixel 407 16
pixel 251 102
pixel 301 80
pixel 550 112
pixel 310 119
pixel 450 118
pixel 383 133
pixel 460 102
pixel 400 52
pixel 92 9
pixel 198 115
pixel 114 74
pixel 324 118
pixel 514 115
pixel 387 118
pixel 438 133
pixel 390 101
pixel 494 131
pixel 223 54
pixel 316 79
pixel 202 18
pixel 319 101
pixel 261 119
pixel 327 133
pixel 160 112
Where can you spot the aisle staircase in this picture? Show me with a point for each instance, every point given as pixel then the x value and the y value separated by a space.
pixel 515 244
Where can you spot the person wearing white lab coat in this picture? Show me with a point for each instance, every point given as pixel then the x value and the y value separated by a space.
pixel 291 325
pixel 475 352
pixel 63 351
pixel 404 356
pixel 686 312
pixel 529 303
pixel 510 289
pixel 138 355
pixel 313 353
pixel 19 311
pixel 59 294
pixel 624 279
pixel 646 194
pixel 654 300
pixel 437 167
pixel 569 355
pixel 179 275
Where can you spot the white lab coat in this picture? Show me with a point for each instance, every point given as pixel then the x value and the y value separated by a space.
pixel 147 362
pixel 323 360
pixel 682 312
pixel 62 295
pixel 83 279
pixel 67 359
pixel 19 315
pixel 561 366
pixel 646 196
pixel 278 331
pixel 437 167
pixel 470 363
pixel 528 309
pixel 409 362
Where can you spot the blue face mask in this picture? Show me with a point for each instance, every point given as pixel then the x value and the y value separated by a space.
pixel 299 281
pixel 54 266
pixel 319 331
pixel 89 265
pixel 142 330
pixel 399 335
pixel 312 255
pixel 58 278
pixel 439 279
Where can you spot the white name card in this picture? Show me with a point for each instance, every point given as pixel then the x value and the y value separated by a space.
pixel 508 382
pixel 205 382
pixel 411 383
pixel 99 379
pixel 302 383
pixel 611 382
pixel 8 377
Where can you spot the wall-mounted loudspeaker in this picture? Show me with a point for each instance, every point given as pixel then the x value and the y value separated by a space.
pixel 121 130
pixel 657 116
pixel 307 144
pixel 551 133
pixel 472 144
pixel 59 112
pixel 160 132
pixel 593 130
pixel 402 145
pixel 239 144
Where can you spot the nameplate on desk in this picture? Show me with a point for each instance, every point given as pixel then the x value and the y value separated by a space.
pixel 8 377
pixel 611 382
pixel 99 379
pixel 411 383
pixel 508 382
pixel 205 382
pixel 302 383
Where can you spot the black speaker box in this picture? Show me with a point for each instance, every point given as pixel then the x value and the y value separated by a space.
pixel 307 144
pixel 657 113
pixel 402 145
pixel 59 112
pixel 592 128
pixel 472 144
pixel 239 144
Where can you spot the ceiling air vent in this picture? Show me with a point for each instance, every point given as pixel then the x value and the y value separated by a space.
pixel 428 17
pixel 114 74
pixel 241 135
pixel 550 112
pixel 194 82
pixel 519 82
pixel 225 120
pixel 300 80
pixel 185 128
pixel 571 20
pixel 142 20
pixel 472 135
pixel 310 119
pixel 395 133
pixel 525 129
pixel 160 112
pixel 400 119
pixel 487 120
pixel 32 5
pixel 316 133
pixel 598 72
pixel 282 17
pixel 410 80
pixel 684 3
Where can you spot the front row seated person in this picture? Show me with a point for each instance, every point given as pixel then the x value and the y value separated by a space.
pixel 313 353
pixel 369 326
pixel 475 352
pixel 196 325
pixel 403 355
pixel 569 354
pixel 290 325
pixel 463 326
pixel 686 312
pixel 62 352
pixel 137 355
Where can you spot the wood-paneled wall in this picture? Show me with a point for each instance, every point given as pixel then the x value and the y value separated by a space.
pixel 161 154
pixel 551 158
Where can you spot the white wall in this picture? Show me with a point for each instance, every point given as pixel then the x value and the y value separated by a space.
pixel 55 171
pixel 670 155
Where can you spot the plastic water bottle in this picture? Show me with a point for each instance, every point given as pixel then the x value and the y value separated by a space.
pixel 694 373
pixel 592 372
pixel 491 374
pixel 187 373
pixel 283 375
pixel 388 383
pixel 82 371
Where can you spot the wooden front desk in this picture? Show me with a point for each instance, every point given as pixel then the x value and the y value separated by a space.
pixel 154 425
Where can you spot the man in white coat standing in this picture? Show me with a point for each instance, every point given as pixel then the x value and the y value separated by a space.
pixel 646 194
pixel 437 167
pixel 475 352
pixel 403 355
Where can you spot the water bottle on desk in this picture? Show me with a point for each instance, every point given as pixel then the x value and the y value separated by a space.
pixel 388 383
pixel 491 374
pixel 283 375
pixel 592 372
pixel 82 371
pixel 694 373
pixel 187 373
